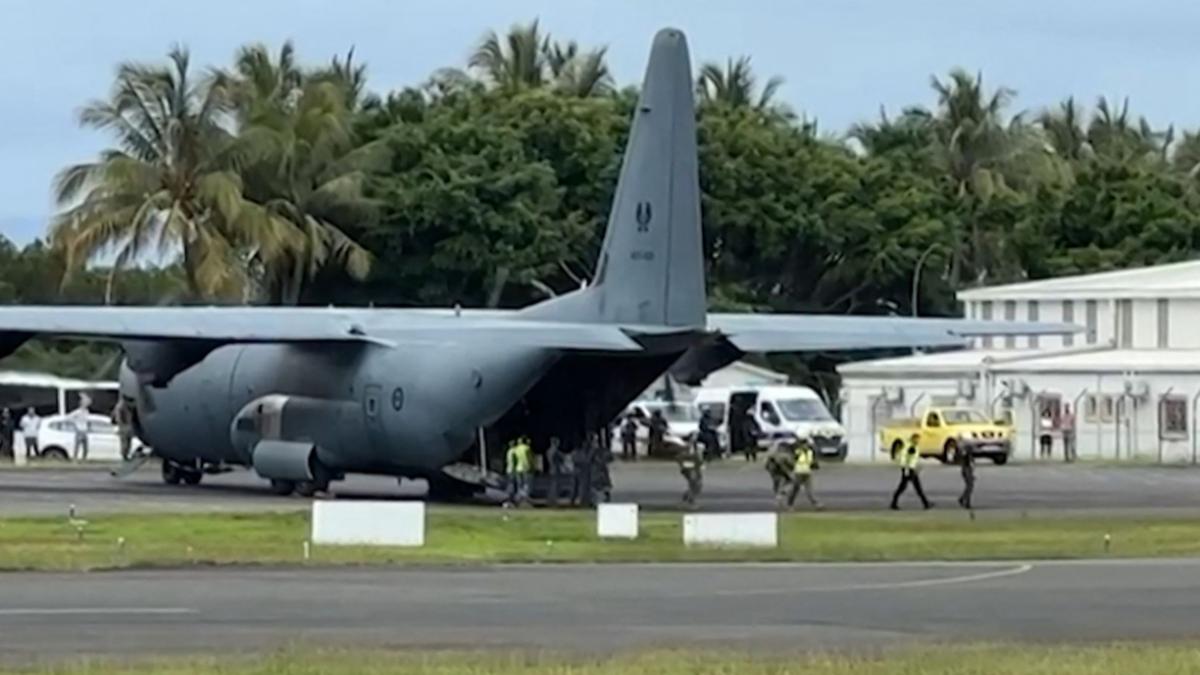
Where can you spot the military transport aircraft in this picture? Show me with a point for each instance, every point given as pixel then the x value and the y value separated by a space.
pixel 305 396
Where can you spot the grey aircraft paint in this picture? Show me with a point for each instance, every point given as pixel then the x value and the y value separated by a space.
pixel 307 395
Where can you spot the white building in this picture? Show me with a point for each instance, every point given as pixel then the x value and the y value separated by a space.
pixel 1132 375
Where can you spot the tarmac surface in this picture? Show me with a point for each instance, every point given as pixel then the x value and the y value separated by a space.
pixel 730 486
pixel 595 607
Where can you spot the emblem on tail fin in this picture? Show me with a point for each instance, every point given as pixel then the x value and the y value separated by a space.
pixel 643 215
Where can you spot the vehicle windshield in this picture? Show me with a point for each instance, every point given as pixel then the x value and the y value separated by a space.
pixel 677 413
pixel 803 410
pixel 717 410
pixel 964 417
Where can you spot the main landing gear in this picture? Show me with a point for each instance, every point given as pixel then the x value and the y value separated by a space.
pixel 174 473
pixel 303 488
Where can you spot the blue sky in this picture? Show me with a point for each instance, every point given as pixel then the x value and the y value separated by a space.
pixel 842 59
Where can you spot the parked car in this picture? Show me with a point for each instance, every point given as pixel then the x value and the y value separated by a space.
pixel 945 432
pixel 56 438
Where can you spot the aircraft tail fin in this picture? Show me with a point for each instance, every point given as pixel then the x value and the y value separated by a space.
pixel 650 269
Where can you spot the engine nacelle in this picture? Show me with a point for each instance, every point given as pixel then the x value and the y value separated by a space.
pixel 278 434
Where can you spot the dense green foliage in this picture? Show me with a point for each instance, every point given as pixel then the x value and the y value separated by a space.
pixel 491 185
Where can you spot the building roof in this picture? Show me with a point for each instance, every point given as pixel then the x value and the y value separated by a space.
pixel 1158 281
pixel 1093 360
pixel 17 378
pixel 949 363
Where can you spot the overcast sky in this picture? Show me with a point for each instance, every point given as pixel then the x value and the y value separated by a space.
pixel 841 59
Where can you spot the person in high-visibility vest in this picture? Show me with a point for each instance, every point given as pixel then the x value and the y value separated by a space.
pixel 910 462
pixel 518 465
pixel 802 474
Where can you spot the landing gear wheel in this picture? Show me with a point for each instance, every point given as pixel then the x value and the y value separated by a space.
pixel 309 488
pixel 192 477
pixel 282 488
pixel 171 473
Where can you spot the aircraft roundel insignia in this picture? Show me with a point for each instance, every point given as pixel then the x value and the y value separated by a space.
pixel 643 216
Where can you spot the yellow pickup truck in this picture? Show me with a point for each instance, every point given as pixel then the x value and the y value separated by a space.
pixel 944 432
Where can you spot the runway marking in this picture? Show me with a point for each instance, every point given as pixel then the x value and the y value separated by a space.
pixel 888 585
pixel 926 583
pixel 81 611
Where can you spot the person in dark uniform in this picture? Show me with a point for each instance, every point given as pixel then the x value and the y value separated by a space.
pixel 910 461
pixel 967 462
pixel 556 471
pixel 658 433
pixel 581 485
pixel 629 438
pixel 601 480
pixel 707 435
pixel 8 433
pixel 779 466
pixel 691 467
pixel 752 432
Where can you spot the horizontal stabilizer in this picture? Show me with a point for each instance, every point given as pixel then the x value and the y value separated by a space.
pixel 821 332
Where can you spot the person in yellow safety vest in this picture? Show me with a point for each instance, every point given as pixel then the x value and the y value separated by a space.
pixel 518 465
pixel 802 474
pixel 910 462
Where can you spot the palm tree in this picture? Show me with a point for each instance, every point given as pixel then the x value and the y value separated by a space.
pixel 1065 132
pixel 579 73
pixel 526 58
pixel 1114 134
pixel 973 142
pixel 1186 157
pixel 735 85
pixel 304 168
pixel 516 61
pixel 168 184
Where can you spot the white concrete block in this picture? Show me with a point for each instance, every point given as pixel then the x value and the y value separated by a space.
pixel 370 523
pixel 731 529
pixel 617 521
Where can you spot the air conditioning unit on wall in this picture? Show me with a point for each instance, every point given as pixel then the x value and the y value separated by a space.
pixel 1139 389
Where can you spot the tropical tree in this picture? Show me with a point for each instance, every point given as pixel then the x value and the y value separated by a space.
pixel 736 85
pixel 1065 131
pixel 303 165
pixel 1114 133
pixel 169 184
pixel 527 58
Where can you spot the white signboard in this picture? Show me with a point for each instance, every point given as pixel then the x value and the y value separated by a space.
pixel 368 523
pixel 617 521
pixel 731 529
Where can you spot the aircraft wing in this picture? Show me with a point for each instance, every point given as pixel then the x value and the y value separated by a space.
pixel 823 332
pixel 226 325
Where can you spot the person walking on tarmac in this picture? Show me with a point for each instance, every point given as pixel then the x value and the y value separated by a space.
pixel 910 461
pixel 779 467
pixel 691 467
pixel 518 464
pixel 581 486
pixel 601 480
pixel 967 461
pixel 629 438
pixel 802 474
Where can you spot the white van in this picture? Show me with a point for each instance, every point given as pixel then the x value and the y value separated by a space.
pixel 779 410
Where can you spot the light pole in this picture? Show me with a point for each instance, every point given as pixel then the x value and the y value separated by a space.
pixel 916 287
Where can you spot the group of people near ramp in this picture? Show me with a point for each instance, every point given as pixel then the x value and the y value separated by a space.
pixel 577 477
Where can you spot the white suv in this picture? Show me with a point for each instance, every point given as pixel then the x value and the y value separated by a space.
pixel 56 438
